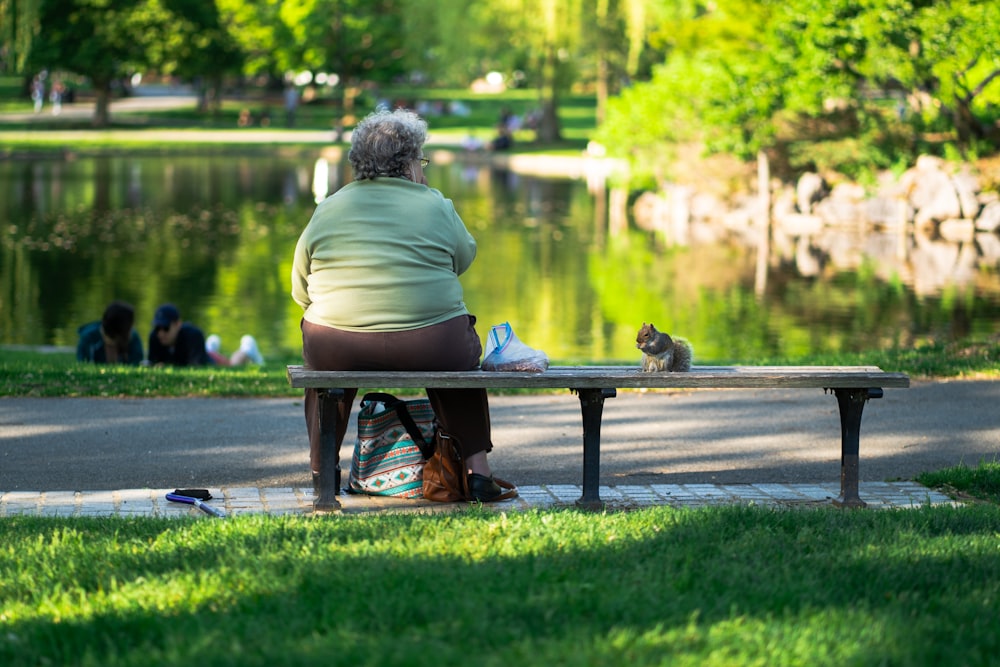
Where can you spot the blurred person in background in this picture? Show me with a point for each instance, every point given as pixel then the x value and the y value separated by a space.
pixel 112 340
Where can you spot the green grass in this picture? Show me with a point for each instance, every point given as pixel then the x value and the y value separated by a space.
pixel 971 357
pixel 981 482
pixel 26 373
pixel 13 97
pixel 30 373
pixel 715 586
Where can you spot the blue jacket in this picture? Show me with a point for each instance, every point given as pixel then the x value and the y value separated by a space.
pixel 90 346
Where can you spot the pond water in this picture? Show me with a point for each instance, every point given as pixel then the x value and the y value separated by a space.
pixel 214 234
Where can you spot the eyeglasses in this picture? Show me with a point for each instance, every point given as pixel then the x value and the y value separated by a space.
pixel 424 162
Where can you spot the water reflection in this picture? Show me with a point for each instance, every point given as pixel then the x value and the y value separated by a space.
pixel 321 180
pixel 215 235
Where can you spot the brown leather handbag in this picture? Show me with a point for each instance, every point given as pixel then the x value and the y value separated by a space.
pixel 446 479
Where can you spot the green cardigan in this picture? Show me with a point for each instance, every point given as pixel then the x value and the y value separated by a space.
pixel 382 255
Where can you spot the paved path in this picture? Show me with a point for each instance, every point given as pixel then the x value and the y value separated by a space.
pixel 137 105
pixel 288 500
pixel 782 446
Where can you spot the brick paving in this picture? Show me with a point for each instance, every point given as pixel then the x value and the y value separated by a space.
pixel 286 500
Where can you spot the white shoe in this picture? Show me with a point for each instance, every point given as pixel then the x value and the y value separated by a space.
pixel 213 344
pixel 248 345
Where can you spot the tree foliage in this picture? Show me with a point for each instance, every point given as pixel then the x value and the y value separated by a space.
pixel 947 57
pixel 359 40
pixel 761 75
pixel 196 46
pixel 104 40
pixel 18 26
pixel 737 76
pixel 261 36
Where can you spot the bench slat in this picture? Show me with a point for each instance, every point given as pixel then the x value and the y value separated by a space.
pixel 618 377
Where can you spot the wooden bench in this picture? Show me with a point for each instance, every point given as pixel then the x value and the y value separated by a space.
pixel 852 385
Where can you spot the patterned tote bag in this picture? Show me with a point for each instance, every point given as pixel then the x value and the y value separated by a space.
pixel 395 437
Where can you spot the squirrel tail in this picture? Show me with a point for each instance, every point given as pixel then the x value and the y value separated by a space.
pixel 683 355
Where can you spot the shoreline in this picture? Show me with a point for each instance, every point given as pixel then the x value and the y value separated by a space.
pixel 70 144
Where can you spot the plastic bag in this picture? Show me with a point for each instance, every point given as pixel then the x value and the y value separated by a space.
pixel 505 352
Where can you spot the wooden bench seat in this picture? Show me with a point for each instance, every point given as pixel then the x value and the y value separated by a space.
pixel 852 386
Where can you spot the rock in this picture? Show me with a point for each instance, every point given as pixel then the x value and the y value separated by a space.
pixel 934 198
pixel 989 218
pixel 989 248
pixel 782 245
pixel 882 247
pixel 810 189
pixel 967 187
pixel 705 233
pixel 957 230
pixel 848 192
pixel 965 267
pixel 929 163
pixel 798 224
pixel 707 207
pixel 742 219
pixel 677 230
pixel 841 248
pixel 838 212
pixel 887 211
pixel 808 260
pixel 933 263
pixel 647 211
pixel 783 204
pixel 938 264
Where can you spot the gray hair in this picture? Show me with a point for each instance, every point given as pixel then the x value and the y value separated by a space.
pixel 385 143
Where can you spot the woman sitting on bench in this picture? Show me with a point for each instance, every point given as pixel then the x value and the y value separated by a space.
pixel 376 272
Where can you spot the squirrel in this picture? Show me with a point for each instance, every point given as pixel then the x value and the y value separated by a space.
pixel 660 352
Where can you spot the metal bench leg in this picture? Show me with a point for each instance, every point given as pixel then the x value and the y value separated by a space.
pixel 328 487
pixel 592 407
pixel 852 404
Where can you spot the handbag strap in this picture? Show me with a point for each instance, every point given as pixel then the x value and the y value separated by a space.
pixel 399 405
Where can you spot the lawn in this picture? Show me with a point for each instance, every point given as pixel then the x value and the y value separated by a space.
pixel 33 373
pixel 714 586
pixel 733 585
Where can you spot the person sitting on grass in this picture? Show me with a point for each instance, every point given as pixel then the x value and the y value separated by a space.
pixel 112 340
pixel 175 342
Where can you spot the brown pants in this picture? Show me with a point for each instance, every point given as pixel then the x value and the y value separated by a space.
pixel 450 346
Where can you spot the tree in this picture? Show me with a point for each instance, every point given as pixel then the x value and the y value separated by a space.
pixel 547 35
pixel 942 57
pixel 945 55
pixel 361 41
pixel 719 89
pixel 109 40
pixel 104 40
pixel 263 40
pixel 458 41
pixel 18 25
pixel 196 46
pixel 358 41
pixel 745 77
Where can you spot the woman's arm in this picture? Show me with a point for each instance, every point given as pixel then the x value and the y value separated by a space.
pixel 300 273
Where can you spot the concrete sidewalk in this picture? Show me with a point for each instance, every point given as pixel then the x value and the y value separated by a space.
pixel 253 500
pixel 79 456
